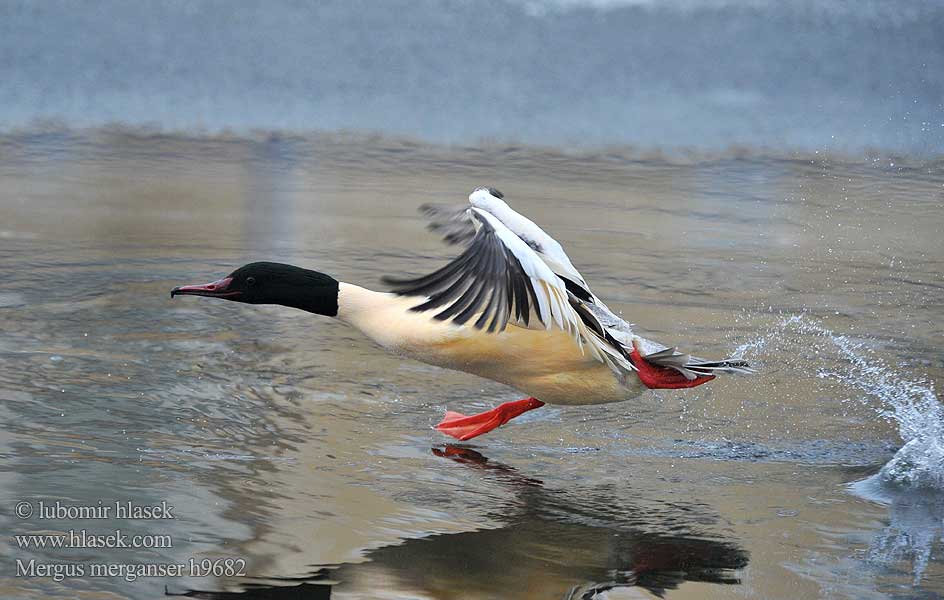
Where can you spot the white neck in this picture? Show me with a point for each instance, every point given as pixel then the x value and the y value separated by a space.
pixel 355 304
pixel 387 319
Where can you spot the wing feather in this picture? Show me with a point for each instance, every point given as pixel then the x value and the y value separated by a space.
pixel 450 221
pixel 455 224
pixel 498 280
pixel 514 272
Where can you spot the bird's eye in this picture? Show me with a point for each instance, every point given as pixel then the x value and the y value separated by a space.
pixel 250 281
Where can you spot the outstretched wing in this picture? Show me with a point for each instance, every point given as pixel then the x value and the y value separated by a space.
pixel 499 280
pixel 454 223
pixel 530 262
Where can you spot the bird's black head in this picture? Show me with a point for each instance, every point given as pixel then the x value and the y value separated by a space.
pixel 272 283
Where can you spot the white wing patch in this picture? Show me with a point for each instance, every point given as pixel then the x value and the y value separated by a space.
pixel 550 290
pixel 549 249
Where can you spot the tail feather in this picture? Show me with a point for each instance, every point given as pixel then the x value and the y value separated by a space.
pixel 692 367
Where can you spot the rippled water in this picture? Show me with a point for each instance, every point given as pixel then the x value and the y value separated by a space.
pixel 289 441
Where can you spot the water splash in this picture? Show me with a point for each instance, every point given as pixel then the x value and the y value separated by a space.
pixel 911 483
pixel 910 403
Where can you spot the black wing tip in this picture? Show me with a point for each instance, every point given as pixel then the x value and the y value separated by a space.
pixel 736 363
pixel 491 190
pixel 399 285
pixel 732 366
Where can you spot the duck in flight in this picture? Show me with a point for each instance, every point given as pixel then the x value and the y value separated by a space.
pixel 511 308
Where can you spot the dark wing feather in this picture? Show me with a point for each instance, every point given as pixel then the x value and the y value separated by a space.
pixel 451 221
pixel 487 279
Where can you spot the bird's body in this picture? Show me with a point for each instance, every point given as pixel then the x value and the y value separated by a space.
pixel 544 364
pixel 511 308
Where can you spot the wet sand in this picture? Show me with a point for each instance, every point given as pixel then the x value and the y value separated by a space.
pixel 290 441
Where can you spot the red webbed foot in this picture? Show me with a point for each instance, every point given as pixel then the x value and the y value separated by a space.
pixel 464 427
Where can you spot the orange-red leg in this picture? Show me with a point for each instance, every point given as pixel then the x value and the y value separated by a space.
pixel 464 427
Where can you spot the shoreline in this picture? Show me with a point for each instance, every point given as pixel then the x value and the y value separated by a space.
pixel 484 147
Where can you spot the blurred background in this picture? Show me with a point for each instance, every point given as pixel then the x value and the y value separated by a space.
pixel 804 75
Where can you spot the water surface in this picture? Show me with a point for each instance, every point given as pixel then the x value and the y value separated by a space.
pixel 290 441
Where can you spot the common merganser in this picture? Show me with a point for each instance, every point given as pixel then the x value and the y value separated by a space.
pixel 511 308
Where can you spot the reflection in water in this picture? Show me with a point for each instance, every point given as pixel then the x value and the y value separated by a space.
pixel 916 523
pixel 271 170
pixel 303 591
pixel 574 544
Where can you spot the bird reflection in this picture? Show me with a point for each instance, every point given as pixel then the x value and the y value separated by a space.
pixel 573 544
pixel 595 538
pixel 467 456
